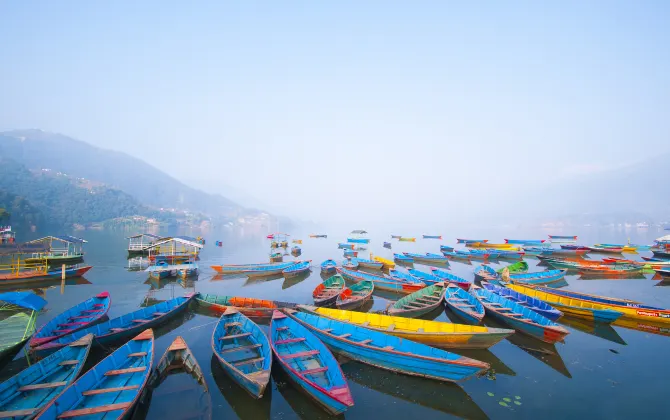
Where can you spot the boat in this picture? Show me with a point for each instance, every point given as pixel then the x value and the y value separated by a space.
pixel 418 303
pixel 342 245
pixel 297 269
pixel 603 249
pixel 453 255
pixel 624 248
pixel 470 241
pixel 268 270
pixel 557 251
pixel 328 266
pixel 358 240
pixel 387 264
pixel 395 274
pixel 74 319
pixel 463 304
pixel 536 305
pixel 349 264
pixel 387 351
pixel 542 277
pixel 516 268
pixel 348 253
pixel 432 333
pixel 18 313
pixel 250 307
pixel 309 364
pixel 387 245
pixel 356 295
pixel 112 387
pixel 520 317
pixel 178 356
pixel 27 276
pixel 493 246
pixel 326 293
pixel 446 248
pixel 663 272
pixel 296 251
pixel 396 236
pixel 647 264
pixel 363 263
pixel 403 258
pixel 562 238
pixel 243 351
pixel 241 268
pixel 187 270
pixel 405 239
pixel 432 236
pixel 525 241
pixel 450 278
pixel 26 393
pixel 382 282
pixel 296 241
pixel 570 307
pixel 575 247
pixel 128 325
pixel 276 257
pixel 428 257
pixel 510 255
pixel 609 269
pixel 318 236
pixel 486 273
pixel 160 270
pixel 423 277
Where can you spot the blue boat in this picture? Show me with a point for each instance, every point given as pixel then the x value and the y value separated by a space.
pixel 309 364
pixel 382 282
pixel 463 304
pixel 536 305
pixel 26 393
pixel 538 278
pixel 349 264
pixel 123 327
pixel 112 387
pixel 243 351
pixel 389 352
pixel 457 255
pixel 424 277
pixel 396 274
pixel 358 240
pixel 268 270
pixel 434 258
pixel 486 273
pixel 350 253
pixel 458 281
pixel 520 317
pixel 345 246
pixel 328 266
pixel 160 270
pixel 387 245
pixel 363 263
pixel 446 248
pixel 297 269
pixel 74 319
pixel 187 269
pixel 432 236
pixel 403 258
pixel 241 268
pixel 510 255
pixel 525 241
pixel 470 241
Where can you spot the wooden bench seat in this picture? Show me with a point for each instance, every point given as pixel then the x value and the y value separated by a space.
pixel 234 336
pixel 42 386
pixel 94 410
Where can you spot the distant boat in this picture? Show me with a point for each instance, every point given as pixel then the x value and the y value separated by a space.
pixel 374 265
pixel 470 241
pixel 387 245
pixel 432 236
pixel 358 240
pixel 404 239
pixel 328 266
pixel 318 236
pixel 403 258
pixel 563 238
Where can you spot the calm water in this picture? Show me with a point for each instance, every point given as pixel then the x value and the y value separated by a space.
pixel 602 371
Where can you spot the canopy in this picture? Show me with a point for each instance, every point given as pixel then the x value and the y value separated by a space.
pixel 25 299
pixel 64 238
pixel 358 232
pixel 149 235
pixel 665 238
pixel 25 248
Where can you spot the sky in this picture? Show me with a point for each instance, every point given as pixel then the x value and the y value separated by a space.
pixel 355 110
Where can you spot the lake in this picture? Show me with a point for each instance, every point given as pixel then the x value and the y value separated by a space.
pixel 599 372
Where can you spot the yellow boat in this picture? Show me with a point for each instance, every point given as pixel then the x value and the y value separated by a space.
pixel 297 241
pixel 432 333
pixel 407 239
pixel 388 264
pixel 508 247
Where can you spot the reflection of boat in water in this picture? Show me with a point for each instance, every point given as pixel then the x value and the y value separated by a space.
pixel 250 281
pixel 245 406
pixel 487 356
pixel 299 402
pixel 446 397
pixel 603 276
pixel 599 329
pixel 294 280
pixel 658 329
pixel 43 284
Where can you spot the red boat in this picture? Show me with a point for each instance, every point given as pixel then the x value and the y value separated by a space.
pixel 32 275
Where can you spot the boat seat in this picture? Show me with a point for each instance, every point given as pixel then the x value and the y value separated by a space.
pixel 315 371
pixel 290 340
pixel 282 328
pixel 388 348
pixel 140 321
pixel 366 341
pixel 71 324
pixel 42 386
pixel 232 324
pixel 495 304
pixel 94 410
pixel 309 353
pixel 327 330
pixel 464 305
pixel 344 335
pixel 92 311
pixel 249 362
pixel 116 329
pixel 107 390
pixel 158 313
pixel 98 305
pixel 17 413
pixel 234 336
pixel 80 317
pixel 127 370
pixel 68 362
pixel 240 348
pixel 138 354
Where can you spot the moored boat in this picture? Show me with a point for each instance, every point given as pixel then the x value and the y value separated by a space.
pixel 374 265
pixel 446 248
pixel 403 258
pixel 493 246
pixel 309 364
pixel 516 268
pixel 418 303
pixel 343 245
pixel 296 251
pixel 520 317
pixel 248 306
pixel 241 268
pixel 112 387
pixel 536 305
pixel 406 239
pixel 525 241
pixel 486 273
pixel 432 333
pixel 358 240
pixel 187 269
pixel 605 249
pixel 423 277
pixel 276 257
pixel 297 269
pixel 386 263
pixel 428 257
pixel 326 293
pixel 19 313
pixel 611 269
pixel 538 278
pixel 348 253
pixel 432 236
pixel 387 245
pixel 243 351
pixel 74 319
pixel 450 278
pixel 328 266
pixel 268 270
pixel 355 296
pixel 663 272
pixel 396 274
pixel 470 241
pixel 562 238
pixel 382 282
pixel 318 236
pixel 349 264
pixel 463 304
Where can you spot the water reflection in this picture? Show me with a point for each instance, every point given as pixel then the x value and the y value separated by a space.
pixel 245 406
pixel 43 284
pixel 158 402
pixel 294 280
pixel 488 357
pixel 446 397
pixel 301 404
pixel 658 329
pixel 598 329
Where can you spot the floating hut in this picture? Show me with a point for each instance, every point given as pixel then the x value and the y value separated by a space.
pixel 60 250
pixel 139 244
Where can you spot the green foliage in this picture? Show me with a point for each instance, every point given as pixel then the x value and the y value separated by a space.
pixel 24 214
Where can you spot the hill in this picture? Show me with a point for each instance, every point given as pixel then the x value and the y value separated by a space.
pixel 16 210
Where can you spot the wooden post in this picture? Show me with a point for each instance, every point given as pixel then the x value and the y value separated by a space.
pixel 62 280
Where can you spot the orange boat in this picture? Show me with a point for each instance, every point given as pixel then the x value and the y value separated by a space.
pixel 248 306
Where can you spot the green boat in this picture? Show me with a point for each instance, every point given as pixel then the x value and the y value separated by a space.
pixel 418 303
pixel 18 313
pixel 516 268
pixel 327 292
pixel 56 259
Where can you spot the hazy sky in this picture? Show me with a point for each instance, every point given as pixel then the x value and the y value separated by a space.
pixel 356 109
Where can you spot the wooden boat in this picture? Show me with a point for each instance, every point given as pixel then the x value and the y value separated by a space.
pixel 328 266
pixel 349 264
pixel 477 254
pixel 536 305
pixel 355 296
pixel 616 269
pixel 396 236
pixel 348 253
pixel 395 274
pixel 358 240
pixel 56 260
pixel 18 313
pixel 624 248
pixel 463 304
pixel 318 236
pixel 663 272
pixel 542 277
pixel 389 352
pixel 243 351
pixel 160 270
pixel 382 282
pixel 297 269
pixel 403 258
pixel 535 250
pixel 570 307
pixel 74 319
pixel 241 268
pixel 177 357
pixel 519 317
pixel 112 387
pixel 432 236
pixel 486 273
pixel 374 265
pixel 418 303
pixel 343 245
pixel 432 333
pixel 187 270
pixel 446 248
pixel 405 239
pixel 26 393
pixel 510 255
pixel 493 246
pixel 560 238
pixel 433 258
pixel 603 249
pixel 387 245
pixel 387 264
pixel 575 247
pixel 125 326
pixel 268 270
pixel 470 241
pixel 309 364
pixel 647 264
pixel 296 251
pixel 524 241
pixel 327 292
pixel 248 306
pixel 516 268
pixel 423 277
pixel 453 255
pixel 276 257
pixel 450 278
pixel 29 276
